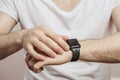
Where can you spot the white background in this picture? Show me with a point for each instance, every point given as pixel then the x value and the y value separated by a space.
pixel 13 67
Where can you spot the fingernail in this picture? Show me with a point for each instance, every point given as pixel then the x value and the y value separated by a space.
pixel 67 48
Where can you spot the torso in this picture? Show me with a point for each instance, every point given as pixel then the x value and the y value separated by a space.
pixel 81 19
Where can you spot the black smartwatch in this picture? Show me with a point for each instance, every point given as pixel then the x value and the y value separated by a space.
pixel 75 48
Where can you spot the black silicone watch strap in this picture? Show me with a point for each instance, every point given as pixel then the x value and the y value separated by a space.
pixel 75 54
pixel 75 48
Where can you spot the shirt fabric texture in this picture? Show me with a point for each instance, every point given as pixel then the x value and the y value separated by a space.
pixel 90 19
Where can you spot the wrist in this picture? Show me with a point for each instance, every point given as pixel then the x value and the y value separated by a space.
pixel 70 55
pixel 75 48
pixel 19 38
pixel 85 50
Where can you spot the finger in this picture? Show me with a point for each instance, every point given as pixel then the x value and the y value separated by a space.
pixel 58 39
pixel 37 66
pixel 64 37
pixel 41 69
pixel 27 58
pixel 33 53
pixel 42 47
pixel 27 54
pixel 51 44
pixel 41 53
pixel 29 62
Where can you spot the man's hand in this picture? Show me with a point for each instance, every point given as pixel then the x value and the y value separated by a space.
pixel 45 40
pixel 37 66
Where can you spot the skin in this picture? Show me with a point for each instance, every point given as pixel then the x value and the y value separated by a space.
pixel 101 50
pixel 105 50
pixel 30 39
pixel 66 5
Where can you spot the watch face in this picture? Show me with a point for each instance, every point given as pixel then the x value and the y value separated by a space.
pixel 73 43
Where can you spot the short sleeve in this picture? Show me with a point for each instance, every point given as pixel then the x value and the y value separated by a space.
pixel 116 3
pixel 8 7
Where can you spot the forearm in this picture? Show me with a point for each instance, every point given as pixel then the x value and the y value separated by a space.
pixel 102 50
pixel 10 43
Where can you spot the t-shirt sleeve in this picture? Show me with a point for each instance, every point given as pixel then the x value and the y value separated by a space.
pixel 8 7
pixel 116 3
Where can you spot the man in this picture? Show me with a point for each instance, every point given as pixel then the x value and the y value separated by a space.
pixel 47 24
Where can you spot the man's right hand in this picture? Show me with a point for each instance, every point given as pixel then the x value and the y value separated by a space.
pixel 45 40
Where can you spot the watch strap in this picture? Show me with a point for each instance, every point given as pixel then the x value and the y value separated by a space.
pixel 75 54
pixel 75 48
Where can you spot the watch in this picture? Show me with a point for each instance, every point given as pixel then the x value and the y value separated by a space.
pixel 75 48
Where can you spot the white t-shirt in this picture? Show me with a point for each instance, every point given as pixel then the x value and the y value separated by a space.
pixel 90 19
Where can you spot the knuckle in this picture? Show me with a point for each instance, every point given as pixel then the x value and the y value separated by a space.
pixel 41 33
pixel 57 49
pixel 48 52
pixel 51 44
pixel 56 37
pixel 35 32
pixel 32 33
pixel 38 32
pixel 42 27
pixel 32 39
